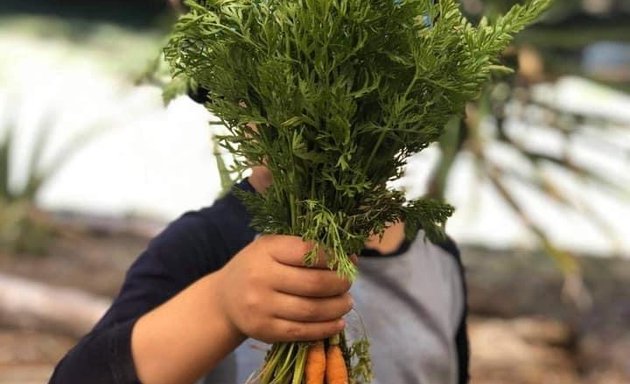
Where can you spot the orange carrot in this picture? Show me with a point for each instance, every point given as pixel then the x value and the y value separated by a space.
pixel 336 370
pixel 315 363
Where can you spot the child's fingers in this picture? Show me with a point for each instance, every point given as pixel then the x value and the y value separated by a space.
pixel 291 250
pixel 286 330
pixel 308 282
pixel 310 310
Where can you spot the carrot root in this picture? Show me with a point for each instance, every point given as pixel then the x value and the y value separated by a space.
pixel 336 369
pixel 315 363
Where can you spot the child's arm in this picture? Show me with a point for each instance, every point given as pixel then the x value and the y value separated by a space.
pixel 169 304
pixel 263 292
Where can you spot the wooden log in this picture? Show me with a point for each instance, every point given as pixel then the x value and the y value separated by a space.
pixel 34 305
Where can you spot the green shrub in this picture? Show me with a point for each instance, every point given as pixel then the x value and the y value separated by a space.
pixel 24 226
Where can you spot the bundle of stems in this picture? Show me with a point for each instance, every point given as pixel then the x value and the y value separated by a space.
pixel 333 96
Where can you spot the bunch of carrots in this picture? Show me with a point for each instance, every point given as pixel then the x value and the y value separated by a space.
pixel 325 362
pixel 343 92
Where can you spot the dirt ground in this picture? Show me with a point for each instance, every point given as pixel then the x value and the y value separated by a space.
pixel 508 347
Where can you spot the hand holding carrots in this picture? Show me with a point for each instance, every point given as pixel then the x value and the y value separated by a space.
pixel 271 296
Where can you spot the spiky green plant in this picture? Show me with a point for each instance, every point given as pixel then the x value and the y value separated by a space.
pixel 341 93
pixel 24 227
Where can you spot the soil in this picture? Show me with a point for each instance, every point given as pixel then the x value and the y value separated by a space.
pixel 91 260
pixel 511 285
pixel 89 254
pixel 521 331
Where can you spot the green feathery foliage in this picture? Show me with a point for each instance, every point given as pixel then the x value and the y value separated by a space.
pixel 342 92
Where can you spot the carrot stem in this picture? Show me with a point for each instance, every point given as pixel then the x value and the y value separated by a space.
pixel 300 363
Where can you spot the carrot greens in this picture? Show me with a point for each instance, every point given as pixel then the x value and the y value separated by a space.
pixel 333 96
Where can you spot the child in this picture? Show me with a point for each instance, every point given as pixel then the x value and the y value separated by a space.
pixel 207 284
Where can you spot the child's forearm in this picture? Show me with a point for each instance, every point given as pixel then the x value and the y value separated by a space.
pixel 185 337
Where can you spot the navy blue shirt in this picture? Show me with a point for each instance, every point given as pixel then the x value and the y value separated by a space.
pixel 194 245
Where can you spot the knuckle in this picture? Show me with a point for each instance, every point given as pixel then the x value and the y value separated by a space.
pixel 264 244
pixel 251 302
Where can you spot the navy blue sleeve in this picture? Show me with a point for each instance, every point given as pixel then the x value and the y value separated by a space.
pixel 196 244
pixel 187 250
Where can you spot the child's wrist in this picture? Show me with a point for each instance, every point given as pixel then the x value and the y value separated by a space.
pixel 217 311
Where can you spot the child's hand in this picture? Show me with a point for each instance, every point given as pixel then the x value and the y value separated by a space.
pixel 268 294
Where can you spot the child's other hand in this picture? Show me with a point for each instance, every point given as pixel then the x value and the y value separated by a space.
pixel 268 294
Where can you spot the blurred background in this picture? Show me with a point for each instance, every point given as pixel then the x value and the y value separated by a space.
pixel 92 165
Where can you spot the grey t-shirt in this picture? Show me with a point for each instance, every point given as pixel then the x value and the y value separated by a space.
pixel 411 305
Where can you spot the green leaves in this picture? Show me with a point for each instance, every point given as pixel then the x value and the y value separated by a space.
pixel 342 92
